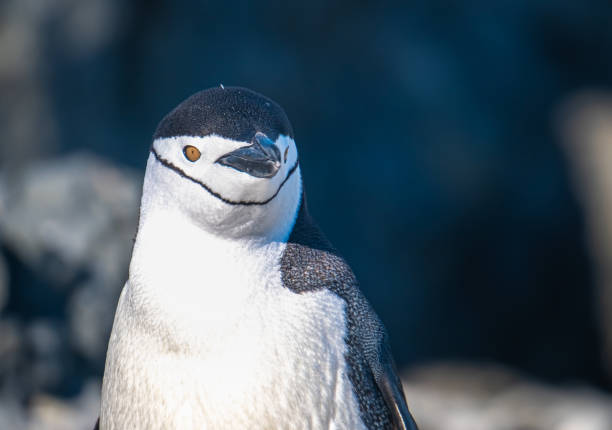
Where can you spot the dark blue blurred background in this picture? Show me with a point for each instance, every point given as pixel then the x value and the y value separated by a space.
pixel 427 142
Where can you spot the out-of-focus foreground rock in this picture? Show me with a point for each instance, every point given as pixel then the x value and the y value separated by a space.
pixel 66 226
pixel 461 397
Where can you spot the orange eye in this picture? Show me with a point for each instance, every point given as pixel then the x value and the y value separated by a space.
pixel 286 152
pixel 191 153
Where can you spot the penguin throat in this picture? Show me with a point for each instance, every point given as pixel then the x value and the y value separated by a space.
pixel 182 173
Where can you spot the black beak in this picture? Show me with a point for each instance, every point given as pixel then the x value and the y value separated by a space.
pixel 261 158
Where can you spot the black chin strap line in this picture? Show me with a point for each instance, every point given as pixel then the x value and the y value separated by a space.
pixel 182 173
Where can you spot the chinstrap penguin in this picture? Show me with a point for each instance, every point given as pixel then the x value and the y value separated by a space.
pixel 238 313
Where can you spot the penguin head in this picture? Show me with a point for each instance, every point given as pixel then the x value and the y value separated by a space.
pixel 226 158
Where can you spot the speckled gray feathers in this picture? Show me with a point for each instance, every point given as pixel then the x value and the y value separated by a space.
pixel 231 112
pixel 310 263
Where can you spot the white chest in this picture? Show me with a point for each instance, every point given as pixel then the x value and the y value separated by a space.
pixel 227 348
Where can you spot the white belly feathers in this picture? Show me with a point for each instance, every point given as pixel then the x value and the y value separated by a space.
pixel 242 352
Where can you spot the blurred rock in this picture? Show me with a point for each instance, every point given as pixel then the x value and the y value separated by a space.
pixel 51 413
pixel 71 214
pixel 585 125
pixel 44 338
pixel 462 397
pixel 44 343
pixel 12 415
pixel 68 225
pixel 91 310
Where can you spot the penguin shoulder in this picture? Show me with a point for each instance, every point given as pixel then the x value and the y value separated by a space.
pixel 310 263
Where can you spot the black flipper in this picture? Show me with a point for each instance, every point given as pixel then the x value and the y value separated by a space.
pixel 390 386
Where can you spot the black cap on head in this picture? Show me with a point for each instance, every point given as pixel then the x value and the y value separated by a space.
pixel 231 112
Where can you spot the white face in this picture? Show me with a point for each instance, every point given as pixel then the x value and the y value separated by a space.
pixel 219 198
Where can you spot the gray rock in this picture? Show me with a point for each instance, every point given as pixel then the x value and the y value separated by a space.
pixel 78 212
pixel 44 343
pixel 70 221
pixel 471 397
pixel 51 413
pixel 91 310
pixel 12 415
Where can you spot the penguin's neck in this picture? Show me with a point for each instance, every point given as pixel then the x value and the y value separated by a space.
pixel 184 277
